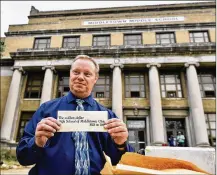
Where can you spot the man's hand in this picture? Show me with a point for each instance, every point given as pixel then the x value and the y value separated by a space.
pixel 46 129
pixel 117 129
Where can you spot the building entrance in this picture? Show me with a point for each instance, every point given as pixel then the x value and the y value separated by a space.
pixel 173 126
pixel 137 133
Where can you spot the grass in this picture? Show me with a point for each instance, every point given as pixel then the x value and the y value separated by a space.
pixel 8 157
pixel 11 162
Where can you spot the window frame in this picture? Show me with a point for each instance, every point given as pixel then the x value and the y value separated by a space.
pixel 201 83
pixel 108 42
pixel 209 129
pixel 204 38
pixel 132 34
pixel 128 88
pixel 34 76
pixel 64 75
pixel 23 118
pixel 163 33
pixel 106 77
pixel 77 43
pixel 175 75
pixel 41 38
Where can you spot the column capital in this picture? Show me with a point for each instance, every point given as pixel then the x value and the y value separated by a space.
pixel 153 64
pixel 192 63
pixel 48 67
pixel 19 68
pixel 116 65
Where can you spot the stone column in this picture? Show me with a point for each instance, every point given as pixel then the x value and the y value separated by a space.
pixel 47 84
pixel 11 107
pixel 196 105
pixel 147 131
pixel 117 90
pixel 155 105
pixel 188 133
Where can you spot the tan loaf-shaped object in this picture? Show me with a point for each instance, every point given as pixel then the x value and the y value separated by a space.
pixel 157 163
pixel 133 163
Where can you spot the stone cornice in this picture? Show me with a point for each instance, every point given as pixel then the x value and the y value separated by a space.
pixel 111 51
pixel 178 61
pixel 114 10
pixel 102 30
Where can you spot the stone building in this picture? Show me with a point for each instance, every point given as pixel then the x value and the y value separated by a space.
pixel 157 68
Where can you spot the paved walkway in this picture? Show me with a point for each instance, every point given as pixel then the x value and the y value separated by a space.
pixel 23 171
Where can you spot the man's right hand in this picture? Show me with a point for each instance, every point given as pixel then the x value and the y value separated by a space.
pixel 46 129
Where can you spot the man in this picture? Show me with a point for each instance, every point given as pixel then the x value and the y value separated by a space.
pixel 55 153
pixel 180 139
pixel 171 140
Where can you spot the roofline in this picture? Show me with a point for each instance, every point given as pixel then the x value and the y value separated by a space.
pixel 108 10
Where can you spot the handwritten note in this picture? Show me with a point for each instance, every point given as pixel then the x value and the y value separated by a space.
pixel 89 121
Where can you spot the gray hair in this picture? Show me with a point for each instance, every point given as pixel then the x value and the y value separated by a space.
pixel 86 57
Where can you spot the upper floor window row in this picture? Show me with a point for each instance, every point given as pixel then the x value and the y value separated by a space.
pixel 135 84
pixel 132 39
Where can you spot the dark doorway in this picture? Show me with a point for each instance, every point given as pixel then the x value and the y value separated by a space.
pixel 173 126
pixel 137 133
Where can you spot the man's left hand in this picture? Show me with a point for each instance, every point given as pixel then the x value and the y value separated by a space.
pixel 117 130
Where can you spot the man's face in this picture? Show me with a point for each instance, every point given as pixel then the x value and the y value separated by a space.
pixel 82 78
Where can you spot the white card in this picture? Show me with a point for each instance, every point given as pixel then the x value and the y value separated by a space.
pixel 89 121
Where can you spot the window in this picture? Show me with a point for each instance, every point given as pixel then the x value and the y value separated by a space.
pixel 134 85
pixel 170 86
pixel 69 42
pixel 102 87
pixel 199 37
pixel 207 84
pixel 211 128
pixel 165 38
pixel 132 39
pixel 42 43
pixel 102 40
pixel 63 86
pixel 34 85
pixel 24 119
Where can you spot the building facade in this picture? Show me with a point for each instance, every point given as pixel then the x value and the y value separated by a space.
pixel 157 68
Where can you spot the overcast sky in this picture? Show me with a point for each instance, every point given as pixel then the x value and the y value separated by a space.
pixel 16 12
